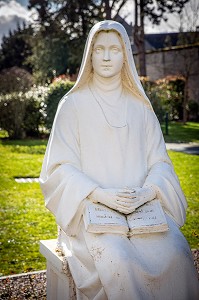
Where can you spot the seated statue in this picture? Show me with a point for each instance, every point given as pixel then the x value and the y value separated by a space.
pixel 106 146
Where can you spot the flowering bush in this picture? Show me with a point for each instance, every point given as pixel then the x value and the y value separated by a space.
pixel 57 90
pixel 22 113
pixel 166 96
pixel 29 113
pixel 34 121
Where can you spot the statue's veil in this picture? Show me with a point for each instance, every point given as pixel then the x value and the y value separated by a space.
pixel 130 77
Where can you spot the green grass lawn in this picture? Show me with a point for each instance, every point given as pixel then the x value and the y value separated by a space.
pixel 25 220
pixel 187 169
pixel 178 132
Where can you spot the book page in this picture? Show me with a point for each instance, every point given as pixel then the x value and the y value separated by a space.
pixel 100 214
pixel 99 218
pixel 149 217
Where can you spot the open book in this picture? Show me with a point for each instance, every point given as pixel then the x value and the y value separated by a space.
pixel 148 218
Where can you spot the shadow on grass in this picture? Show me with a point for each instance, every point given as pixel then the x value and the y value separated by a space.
pixel 26 142
pixel 28 146
pixel 182 133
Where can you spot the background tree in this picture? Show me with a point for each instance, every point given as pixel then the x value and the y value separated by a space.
pixel 111 9
pixel 188 19
pixel 61 30
pixel 49 53
pixel 186 70
pixel 15 79
pixel 155 11
pixel 15 48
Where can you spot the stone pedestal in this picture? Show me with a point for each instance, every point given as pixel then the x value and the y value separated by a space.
pixel 60 284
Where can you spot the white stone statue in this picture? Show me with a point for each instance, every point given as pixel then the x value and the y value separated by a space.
pixel 106 145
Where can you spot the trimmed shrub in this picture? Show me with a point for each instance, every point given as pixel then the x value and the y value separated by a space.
pixel 166 96
pixel 34 121
pixel 150 88
pixel 171 94
pixel 57 90
pixel 12 114
pixel 22 114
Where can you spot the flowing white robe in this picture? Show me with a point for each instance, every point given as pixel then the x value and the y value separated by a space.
pixel 84 152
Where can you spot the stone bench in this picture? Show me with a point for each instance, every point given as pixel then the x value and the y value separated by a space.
pixel 60 284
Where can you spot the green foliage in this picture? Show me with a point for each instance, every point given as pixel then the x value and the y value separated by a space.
pixel 166 96
pixel 58 44
pixel 76 47
pixel 76 17
pixel 29 114
pixel 15 48
pixel 35 115
pixel 25 220
pixel 15 80
pixel 156 11
pixel 150 89
pixel 170 91
pixel 3 134
pixel 56 91
pixel 22 114
pixel 12 114
pixel 49 53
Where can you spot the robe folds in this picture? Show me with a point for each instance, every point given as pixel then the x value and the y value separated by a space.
pixel 84 151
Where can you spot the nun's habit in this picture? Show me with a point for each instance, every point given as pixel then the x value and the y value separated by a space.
pixel 85 151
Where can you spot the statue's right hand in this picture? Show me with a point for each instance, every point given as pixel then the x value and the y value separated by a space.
pixel 116 199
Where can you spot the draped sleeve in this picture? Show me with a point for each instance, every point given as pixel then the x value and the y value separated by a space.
pixel 161 173
pixel 63 183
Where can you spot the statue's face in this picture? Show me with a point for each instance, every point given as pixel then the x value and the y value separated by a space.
pixel 107 55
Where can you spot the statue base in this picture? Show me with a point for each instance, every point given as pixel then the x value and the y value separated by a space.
pixel 60 284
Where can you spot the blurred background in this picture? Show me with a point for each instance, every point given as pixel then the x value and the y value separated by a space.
pixel 41 46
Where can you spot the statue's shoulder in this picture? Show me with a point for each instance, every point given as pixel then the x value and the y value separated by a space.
pixel 134 101
pixel 66 101
pixel 80 93
pixel 80 97
pixel 73 101
pixel 140 103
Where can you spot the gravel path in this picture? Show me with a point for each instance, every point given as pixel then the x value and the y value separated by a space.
pixel 25 286
pixel 33 285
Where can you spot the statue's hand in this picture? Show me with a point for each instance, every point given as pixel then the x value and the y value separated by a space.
pixel 123 200
pixel 141 196
pixel 117 199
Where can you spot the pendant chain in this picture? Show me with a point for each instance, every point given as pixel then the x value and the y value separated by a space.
pixel 93 94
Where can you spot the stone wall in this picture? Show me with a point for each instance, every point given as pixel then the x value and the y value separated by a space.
pixel 181 61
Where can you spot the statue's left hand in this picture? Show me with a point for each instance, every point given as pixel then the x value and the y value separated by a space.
pixel 141 196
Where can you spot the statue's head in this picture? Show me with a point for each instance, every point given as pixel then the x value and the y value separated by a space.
pixel 109 35
pixel 107 53
pixel 112 36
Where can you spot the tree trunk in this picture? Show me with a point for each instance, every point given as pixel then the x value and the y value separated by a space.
pixel 142 43
pixel 107 10
pixel 139 36
pixel 185 101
